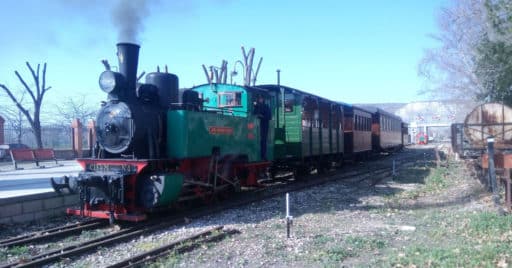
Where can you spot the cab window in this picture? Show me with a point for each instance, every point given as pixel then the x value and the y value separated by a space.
pixel 229 99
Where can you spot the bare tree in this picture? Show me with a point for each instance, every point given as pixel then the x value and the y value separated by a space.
pixel 15 120
pixel 449 70
pixel 219 74
pixel 36 95
pixel 77 107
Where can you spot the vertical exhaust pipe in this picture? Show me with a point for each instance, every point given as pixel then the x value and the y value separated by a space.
pixel 128 55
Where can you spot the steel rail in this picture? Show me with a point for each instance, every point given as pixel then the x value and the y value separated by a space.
pixel 158 252
pixel 80 248
pixel 52 233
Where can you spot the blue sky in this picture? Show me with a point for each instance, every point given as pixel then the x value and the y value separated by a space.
pixel 353 51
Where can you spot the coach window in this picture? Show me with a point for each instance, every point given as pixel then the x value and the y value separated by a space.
pixel 289 101
pixel 316 115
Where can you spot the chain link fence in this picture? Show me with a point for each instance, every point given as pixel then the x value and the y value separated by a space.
pixel 55 137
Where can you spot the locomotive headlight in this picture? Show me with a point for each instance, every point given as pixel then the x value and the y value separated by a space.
pixel 110 81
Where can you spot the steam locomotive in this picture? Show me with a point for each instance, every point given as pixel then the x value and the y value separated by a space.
pixel 159 146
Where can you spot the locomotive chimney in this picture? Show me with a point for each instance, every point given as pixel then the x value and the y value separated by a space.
pixel 128 55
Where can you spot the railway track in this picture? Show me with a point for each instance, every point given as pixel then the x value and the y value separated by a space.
pixel 374 174
pixel 80 248
pixel 53 233
pixel 178 247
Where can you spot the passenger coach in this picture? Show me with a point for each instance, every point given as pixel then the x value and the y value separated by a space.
pixel 386 131
pixel 308 128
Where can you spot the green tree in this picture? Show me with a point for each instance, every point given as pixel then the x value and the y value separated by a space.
pixel 494 53
pixel 494 70
pixel 474 59
pixel 499 19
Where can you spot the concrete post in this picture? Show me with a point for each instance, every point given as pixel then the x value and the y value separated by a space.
pixel 77 127
pixel 2 137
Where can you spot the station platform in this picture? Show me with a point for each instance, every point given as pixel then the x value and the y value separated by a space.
pixel 31 179
pixel 27 195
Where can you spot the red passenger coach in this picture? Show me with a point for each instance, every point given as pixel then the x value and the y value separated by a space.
pixel 386 131
pixel 358 132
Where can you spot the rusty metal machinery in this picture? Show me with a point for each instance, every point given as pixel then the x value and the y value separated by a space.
pixel 489 120
pixel 489 128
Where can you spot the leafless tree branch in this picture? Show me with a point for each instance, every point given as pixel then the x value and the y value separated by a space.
pixel 37 99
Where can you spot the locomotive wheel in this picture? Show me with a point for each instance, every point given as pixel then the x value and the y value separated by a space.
pixel 208 197
pixel 322 167
pixel 111 219
pixel 302 171
pixel 272 172
pixel 340 162
pixel 229 192
pixel 237 187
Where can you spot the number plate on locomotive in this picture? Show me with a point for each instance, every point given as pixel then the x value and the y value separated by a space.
pixel 124 169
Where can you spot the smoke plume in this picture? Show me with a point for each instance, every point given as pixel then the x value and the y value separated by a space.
pixel 128 17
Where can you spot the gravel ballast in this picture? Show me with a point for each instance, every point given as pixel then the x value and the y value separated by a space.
pixel 337 223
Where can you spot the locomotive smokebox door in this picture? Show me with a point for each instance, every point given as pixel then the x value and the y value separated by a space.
pixel 115 127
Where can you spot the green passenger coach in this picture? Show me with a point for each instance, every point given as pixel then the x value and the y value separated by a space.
pixel 308 129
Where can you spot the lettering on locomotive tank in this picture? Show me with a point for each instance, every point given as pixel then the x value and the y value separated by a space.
pixel 220 130
pixel 111 168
